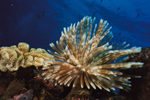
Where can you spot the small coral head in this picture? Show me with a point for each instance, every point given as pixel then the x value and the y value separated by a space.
pixel 83 55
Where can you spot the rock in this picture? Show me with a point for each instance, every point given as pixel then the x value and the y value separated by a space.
pixel 14 88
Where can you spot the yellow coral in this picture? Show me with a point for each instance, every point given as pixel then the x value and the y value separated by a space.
pixel 85 56
pixel 11 58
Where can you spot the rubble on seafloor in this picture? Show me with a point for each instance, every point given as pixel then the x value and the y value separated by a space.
pixel 27 84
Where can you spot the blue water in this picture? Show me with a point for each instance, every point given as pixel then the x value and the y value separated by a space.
pixel 40 22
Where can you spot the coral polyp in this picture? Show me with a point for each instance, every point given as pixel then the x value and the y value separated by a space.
pixel 83 55
pixel 13 57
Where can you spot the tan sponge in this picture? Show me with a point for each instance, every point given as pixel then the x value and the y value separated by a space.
pixel 13 57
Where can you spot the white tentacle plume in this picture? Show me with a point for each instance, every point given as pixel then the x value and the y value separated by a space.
pixel 83 55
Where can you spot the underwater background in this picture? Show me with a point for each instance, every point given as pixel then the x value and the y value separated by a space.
pixel 40 22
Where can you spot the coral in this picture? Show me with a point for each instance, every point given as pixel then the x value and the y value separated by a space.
pixel 14 88
pixel 11 58
pixel 78 95
pixel 50 91
pixel 117 98
pixel 140 87
pixel 83 55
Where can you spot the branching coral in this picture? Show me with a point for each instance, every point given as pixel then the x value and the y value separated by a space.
pixel 83 56
pixel 11 58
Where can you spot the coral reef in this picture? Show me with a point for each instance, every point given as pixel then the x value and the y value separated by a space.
pixel 11 58
pixel 140 87
pixel 85 57
pixel 18 84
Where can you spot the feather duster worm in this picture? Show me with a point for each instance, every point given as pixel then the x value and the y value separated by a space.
pixel 83 55
pixel 11 58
